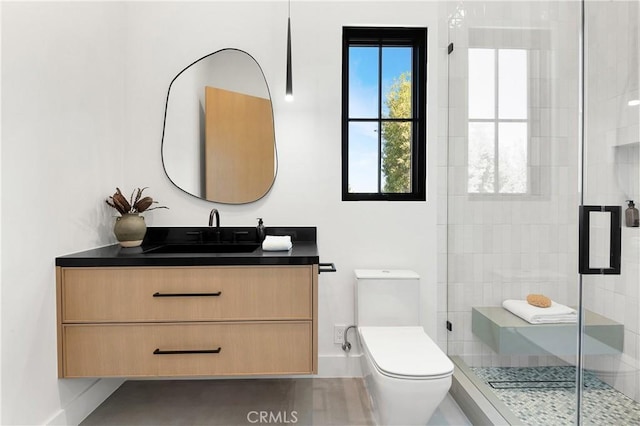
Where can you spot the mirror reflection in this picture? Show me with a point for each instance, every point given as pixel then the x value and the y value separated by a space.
pixel 218 141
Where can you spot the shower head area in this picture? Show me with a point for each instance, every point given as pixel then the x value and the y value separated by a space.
pixel 540 158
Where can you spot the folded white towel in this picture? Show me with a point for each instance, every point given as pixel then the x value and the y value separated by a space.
pixel 556 313
pixel 277 243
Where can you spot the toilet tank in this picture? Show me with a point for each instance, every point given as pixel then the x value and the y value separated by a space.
pixel 387 298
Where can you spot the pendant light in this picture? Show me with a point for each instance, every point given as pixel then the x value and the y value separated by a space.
pixel 289 89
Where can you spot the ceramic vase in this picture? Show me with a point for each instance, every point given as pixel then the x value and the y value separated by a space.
pixel 130 229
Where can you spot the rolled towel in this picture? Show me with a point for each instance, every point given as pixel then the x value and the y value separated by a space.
pixel 539 300
pixel 556 313
pixel 277 243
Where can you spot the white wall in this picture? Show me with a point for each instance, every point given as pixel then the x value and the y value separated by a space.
pixel 63 145
pixel 82 113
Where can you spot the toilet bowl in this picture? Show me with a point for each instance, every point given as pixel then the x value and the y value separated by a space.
pixel 406 373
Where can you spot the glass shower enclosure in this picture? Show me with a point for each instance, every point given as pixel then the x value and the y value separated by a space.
pixel 542 154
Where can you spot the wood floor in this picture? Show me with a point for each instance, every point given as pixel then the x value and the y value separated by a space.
pixel 305 401
pixel 236 402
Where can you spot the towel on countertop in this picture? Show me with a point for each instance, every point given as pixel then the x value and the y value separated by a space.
pixel 556 313
pixel 277 243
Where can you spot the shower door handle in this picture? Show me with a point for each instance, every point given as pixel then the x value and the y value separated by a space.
pixel 611 265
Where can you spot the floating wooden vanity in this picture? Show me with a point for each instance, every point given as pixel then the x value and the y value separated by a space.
pixel 162 315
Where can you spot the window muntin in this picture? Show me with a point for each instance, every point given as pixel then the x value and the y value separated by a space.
pixel 384 114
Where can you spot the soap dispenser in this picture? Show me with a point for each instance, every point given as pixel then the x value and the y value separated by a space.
pixel 631 215
pixel 260 232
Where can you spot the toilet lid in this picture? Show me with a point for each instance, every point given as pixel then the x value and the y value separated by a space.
pixel 405 352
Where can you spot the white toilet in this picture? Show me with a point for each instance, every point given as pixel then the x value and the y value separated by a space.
pixel 406 373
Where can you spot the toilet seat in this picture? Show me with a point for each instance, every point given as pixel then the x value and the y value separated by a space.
pixel 405 353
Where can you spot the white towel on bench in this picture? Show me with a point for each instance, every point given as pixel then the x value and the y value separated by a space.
pixel 556 313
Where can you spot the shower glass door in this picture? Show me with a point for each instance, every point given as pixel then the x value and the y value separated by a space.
pixel 522 156
pixel 610 383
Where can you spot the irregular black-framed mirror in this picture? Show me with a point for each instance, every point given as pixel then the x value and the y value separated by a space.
pixel 218 140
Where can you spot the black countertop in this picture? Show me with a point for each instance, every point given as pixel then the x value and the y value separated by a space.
pixel 303 252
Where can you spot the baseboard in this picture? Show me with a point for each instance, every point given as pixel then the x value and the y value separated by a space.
pixel 85 402
pixel 339 366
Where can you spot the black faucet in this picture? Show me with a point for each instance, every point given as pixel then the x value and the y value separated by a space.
pixel 214 212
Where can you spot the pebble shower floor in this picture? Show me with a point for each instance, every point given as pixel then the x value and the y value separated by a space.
pixel 546 396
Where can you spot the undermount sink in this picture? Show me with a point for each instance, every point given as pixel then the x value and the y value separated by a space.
pixel 205 248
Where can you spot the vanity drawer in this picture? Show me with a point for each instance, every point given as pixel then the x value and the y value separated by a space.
pixel 186 293
pixel 244 348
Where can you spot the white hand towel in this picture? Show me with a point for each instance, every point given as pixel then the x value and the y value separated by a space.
pixel 556 313
pixel 277 243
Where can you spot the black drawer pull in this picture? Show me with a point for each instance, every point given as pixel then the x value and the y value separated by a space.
pixel 158 294
pixel 202 351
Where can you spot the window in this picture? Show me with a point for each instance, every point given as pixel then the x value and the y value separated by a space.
pixel 384 113
pixel 498 121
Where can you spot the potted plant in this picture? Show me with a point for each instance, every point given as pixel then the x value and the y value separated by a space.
pixel 130 227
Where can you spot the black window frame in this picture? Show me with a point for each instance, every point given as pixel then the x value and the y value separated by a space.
pixel 389 36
